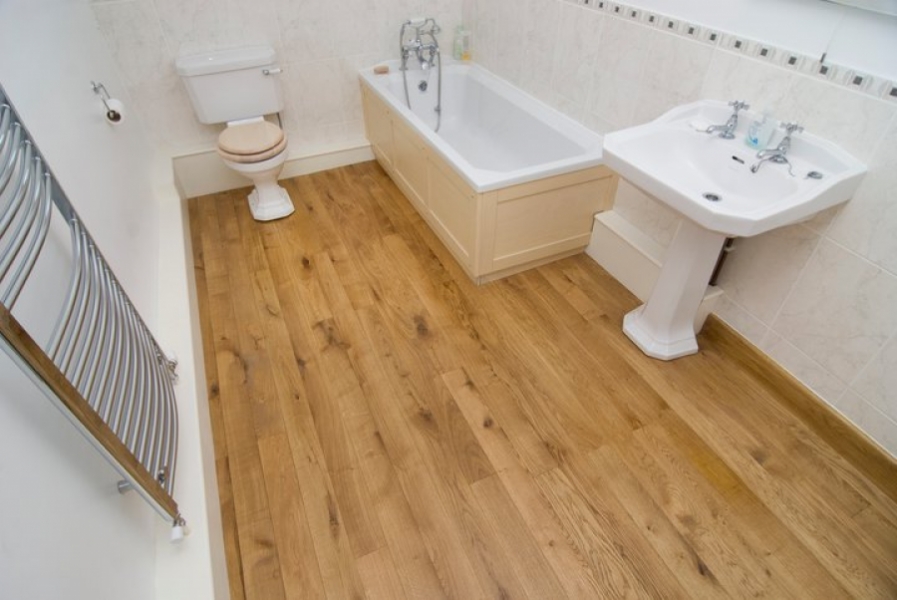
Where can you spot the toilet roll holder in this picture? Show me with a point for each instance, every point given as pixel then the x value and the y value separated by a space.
pixel 112 115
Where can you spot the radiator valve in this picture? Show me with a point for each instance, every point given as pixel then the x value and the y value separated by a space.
pixel 179 530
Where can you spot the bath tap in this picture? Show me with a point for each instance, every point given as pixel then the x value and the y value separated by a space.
pixel 428 57
pixel 426 52
pixel 727 130
pixel 778 154
pixel 432 49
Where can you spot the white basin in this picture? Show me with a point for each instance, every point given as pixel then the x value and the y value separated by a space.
pixel 709 181
pixel 672 161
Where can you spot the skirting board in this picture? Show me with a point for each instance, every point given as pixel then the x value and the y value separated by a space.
pixel 202 173
pixel 634 259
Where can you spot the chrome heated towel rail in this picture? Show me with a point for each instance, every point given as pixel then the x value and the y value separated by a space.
pixel 102 367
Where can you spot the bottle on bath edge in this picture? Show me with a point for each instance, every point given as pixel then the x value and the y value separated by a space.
pixel 461 47
pixel 760 131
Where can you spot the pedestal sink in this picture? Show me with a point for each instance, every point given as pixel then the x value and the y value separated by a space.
pixel 708 180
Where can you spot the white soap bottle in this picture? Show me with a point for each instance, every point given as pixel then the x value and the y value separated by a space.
pixel 760 131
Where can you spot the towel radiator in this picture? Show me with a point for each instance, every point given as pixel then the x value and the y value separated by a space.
pixel 101 367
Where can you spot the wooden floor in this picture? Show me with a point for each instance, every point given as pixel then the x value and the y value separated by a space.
pixel 386 429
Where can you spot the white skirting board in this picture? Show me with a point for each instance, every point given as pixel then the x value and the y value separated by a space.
pixel 202 173
pixel 634 259
pixel 194 569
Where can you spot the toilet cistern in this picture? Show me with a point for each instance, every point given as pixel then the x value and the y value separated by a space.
pixel 239 87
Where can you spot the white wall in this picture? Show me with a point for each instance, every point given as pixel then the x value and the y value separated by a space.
pixel 321 44
pixel 65 532
pixel 819 296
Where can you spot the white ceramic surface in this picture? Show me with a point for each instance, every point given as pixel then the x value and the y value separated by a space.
pixel 673 161
pixel 494 133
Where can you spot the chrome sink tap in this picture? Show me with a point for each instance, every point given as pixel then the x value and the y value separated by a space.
pixel 727 130
pixel 778 154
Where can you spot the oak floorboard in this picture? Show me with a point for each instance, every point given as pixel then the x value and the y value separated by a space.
pixel 379 576
pixel 385 428
pixel 210 268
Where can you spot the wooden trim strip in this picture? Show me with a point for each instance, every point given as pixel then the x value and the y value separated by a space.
pixel 845 437
pixel 79 411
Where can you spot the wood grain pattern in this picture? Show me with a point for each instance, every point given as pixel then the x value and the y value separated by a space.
pixel 385 428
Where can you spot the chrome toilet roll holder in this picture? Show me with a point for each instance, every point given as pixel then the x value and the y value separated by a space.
pixel 99 89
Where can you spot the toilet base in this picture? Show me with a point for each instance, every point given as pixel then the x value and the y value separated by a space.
pixel 269 202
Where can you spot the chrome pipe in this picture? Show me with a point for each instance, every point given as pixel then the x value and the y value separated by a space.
pixel 146 444
pixel 72 337
pixel 114 413
pixel 9 152
pixel 99 347
pixel 169 458
pixel 134 411
pixel 112 371
pixel 150 443
pixel 5 122
pixel 21 189
pixel 24 227
pixel 88 341
pixel 135 387
pixel 145 404
pixel 61 353
pixel 168 442
pixel 62 322
pixel 34 248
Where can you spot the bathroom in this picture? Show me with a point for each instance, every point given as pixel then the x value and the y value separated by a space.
pixel 817 297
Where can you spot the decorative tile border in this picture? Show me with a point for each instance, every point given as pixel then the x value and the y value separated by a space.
pixel 836 74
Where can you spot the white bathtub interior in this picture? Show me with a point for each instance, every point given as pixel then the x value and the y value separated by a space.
pixel 495 134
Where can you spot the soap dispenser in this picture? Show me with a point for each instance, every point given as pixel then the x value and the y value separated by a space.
pixel 760 131
pixel 461 47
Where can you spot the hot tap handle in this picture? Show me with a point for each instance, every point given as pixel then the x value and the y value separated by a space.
pixel 791 128
pixel 739 105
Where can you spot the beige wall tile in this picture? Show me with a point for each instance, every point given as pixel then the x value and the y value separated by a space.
pixel 877 383
pixel 760 272
pixel 841 310
pixel 814 375
pixel 868 223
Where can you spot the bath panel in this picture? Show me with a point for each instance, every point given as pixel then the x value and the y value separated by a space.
pixel 507 183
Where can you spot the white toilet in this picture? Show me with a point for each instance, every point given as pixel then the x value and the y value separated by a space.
pixel 239 87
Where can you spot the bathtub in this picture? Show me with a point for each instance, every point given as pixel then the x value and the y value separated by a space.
pixel 507 182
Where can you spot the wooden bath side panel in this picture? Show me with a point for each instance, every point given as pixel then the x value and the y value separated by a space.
pixel 378 127
pixel 549 217
pixel 410 163
pixel 496 233
pixel 453 210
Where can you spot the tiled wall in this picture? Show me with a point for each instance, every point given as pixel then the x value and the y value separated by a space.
pixel 320 43
pixel 819 297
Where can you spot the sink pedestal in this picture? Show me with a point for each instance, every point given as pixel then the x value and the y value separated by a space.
pixel 664 327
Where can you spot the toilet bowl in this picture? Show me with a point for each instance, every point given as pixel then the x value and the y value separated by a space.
pixel 256 149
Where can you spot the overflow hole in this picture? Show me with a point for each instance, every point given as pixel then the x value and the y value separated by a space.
pixel 712 197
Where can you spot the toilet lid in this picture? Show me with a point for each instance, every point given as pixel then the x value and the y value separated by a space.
pixel 253 138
